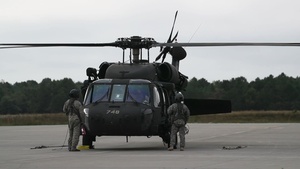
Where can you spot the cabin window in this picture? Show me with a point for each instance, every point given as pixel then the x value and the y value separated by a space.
pixel 118 93
pixel 99 92
pixel 138 93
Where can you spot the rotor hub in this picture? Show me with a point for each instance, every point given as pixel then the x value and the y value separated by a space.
pixel 135 42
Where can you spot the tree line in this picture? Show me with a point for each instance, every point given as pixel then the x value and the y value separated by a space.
pixel 32 97
pixel 271 93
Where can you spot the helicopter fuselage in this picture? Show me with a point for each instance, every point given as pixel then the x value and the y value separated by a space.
pixel 125 107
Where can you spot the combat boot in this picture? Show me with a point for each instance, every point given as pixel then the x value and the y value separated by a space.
pixel 171 148
pixel 74 150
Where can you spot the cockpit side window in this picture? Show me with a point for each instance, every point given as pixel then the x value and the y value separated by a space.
pixel 87 99
pixel 138 93
pixel 156 98
pixel 118 93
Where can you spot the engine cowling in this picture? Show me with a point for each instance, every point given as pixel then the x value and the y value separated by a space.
pixel 168 73
pixel 102 69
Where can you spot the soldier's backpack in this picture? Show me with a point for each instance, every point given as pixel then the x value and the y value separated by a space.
pixel 72 110
pixel 179 119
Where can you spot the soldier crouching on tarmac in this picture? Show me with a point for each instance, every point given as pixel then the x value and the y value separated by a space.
pixel 179 114
pixel 74 110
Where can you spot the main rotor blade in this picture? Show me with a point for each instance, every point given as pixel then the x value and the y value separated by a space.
pixel 223 44
pixel 32 45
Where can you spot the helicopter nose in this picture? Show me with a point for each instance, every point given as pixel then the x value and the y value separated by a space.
pixel 138 121
pixel 126 120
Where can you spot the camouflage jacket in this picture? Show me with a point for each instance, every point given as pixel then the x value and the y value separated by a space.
pixel 178 111
pixel 74 109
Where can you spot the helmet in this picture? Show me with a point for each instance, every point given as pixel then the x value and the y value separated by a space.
pixel 179 97
pixel 74 93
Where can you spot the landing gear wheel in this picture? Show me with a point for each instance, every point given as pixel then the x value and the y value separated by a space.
pixel 87 140
pixel 166 138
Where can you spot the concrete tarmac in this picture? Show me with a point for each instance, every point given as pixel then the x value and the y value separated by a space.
pixel 208 146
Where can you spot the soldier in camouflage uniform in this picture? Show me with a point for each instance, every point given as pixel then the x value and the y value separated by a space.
pixel 178 115
pixel 74 110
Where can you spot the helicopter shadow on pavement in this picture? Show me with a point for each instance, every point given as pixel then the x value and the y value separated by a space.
pixel 132 147
pixel 134 143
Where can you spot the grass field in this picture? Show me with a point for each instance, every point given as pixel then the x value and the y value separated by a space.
pixel 249 117
pixel 234 117
pixel 33 119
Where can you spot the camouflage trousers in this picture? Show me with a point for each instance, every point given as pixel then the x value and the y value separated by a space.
pixel 74 132
pixel 174 131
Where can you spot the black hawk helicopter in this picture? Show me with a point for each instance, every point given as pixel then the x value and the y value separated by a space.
pixel 131 99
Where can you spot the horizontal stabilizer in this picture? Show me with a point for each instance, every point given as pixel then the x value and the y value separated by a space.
pixel 207 106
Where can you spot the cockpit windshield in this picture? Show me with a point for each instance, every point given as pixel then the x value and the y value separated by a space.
pixel 139 93
pixel 98 93
pixel 118 93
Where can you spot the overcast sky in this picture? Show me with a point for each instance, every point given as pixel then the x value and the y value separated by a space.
pixel 105 21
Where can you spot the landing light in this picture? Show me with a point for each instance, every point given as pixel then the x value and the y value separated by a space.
pixel 86 111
